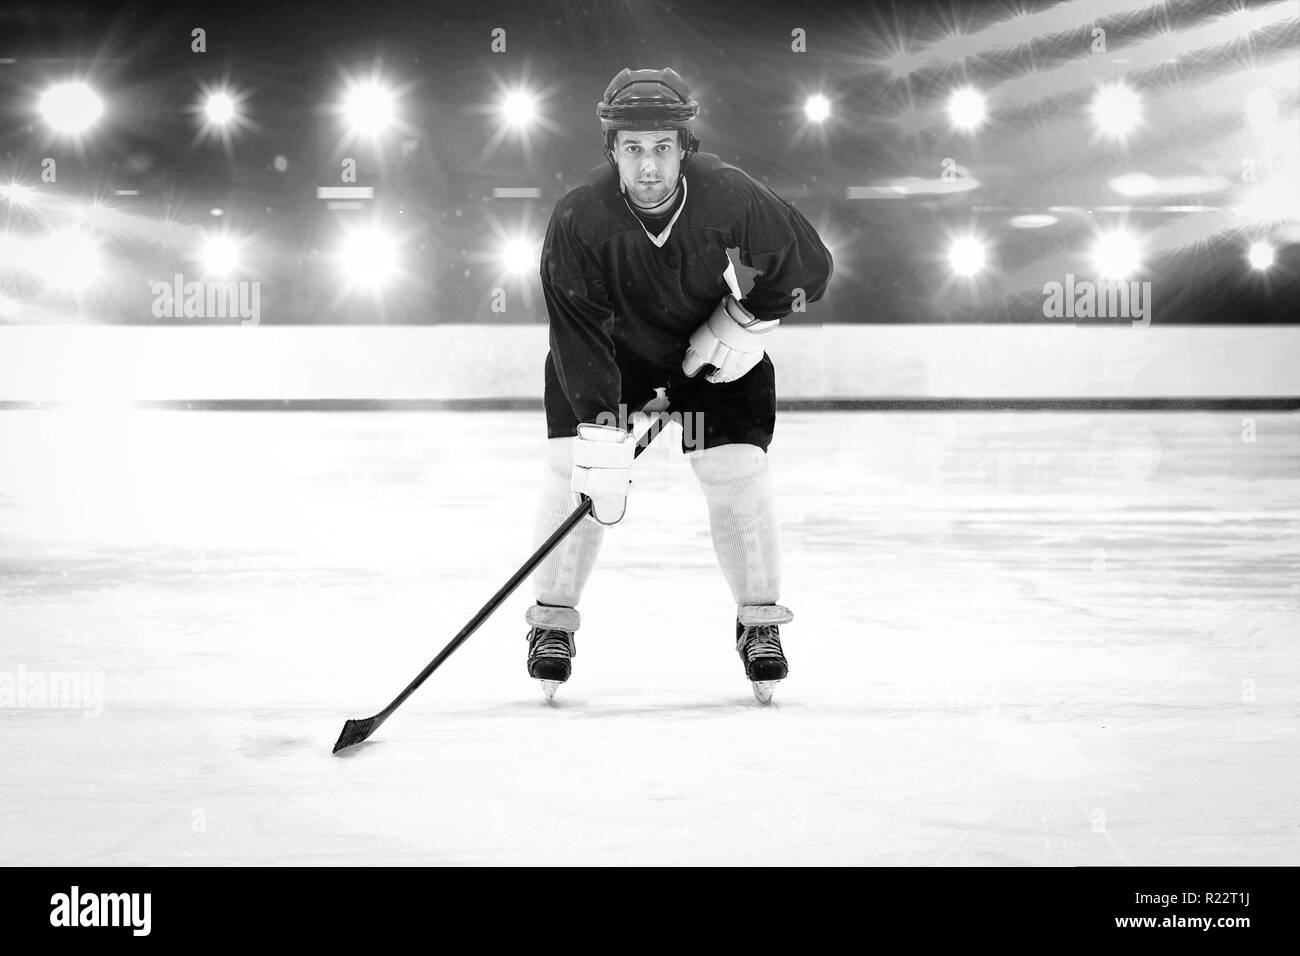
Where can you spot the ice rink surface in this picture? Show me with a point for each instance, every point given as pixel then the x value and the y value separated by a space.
pixel 1019 638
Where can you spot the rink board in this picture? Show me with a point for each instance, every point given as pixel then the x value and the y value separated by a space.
pixel 475 362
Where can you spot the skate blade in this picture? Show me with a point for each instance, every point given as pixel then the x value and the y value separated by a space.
pixel 549 687
pixel 764 689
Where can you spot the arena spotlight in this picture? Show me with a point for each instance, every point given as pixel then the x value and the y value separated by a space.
pixel 967 256
pixel 368 107
pixel 369 258
pixel 70 107
pixel 1260 255
pixel 220 256
pixel 1117 255
pixel 515 111
pixel 17 193
pixel 966 109
pixel 519 257
pixel 817 108
pixel 519 108
pixel 220 113
pixel 1116 110
pixel 219 108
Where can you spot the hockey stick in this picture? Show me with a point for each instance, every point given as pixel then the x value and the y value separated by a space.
pixel 357 730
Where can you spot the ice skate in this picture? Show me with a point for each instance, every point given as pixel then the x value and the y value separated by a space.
pixel 551 647
pixel 758 641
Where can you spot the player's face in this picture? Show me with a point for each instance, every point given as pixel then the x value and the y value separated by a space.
pixel 648 164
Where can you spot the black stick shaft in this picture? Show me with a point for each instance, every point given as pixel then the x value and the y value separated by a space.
pixel 496 600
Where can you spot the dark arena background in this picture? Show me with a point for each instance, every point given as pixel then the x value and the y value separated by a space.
pixel 272 334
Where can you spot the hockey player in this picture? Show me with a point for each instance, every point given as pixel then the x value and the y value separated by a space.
pixel 641 295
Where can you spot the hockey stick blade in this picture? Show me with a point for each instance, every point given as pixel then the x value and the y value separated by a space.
pixel 357 730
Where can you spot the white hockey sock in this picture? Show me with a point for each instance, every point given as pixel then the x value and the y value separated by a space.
pixel 738 488
pixel 559 579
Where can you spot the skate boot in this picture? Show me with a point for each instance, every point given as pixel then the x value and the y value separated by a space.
pixel 550 645
pixel 758 641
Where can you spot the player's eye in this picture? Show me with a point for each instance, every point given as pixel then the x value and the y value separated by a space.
pixel 663 147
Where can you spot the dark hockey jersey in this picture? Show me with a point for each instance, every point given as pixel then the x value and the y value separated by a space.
pixel 613 296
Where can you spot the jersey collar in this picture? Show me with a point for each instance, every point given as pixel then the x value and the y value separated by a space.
pixel 660 239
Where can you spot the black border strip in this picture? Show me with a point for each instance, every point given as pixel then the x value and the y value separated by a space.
pixel 236 905
pixel 1216 404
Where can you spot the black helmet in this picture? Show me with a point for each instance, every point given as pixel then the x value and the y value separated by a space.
pixel 648 99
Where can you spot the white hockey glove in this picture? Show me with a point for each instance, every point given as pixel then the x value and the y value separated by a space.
pixel 729 341
pixel 602 469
